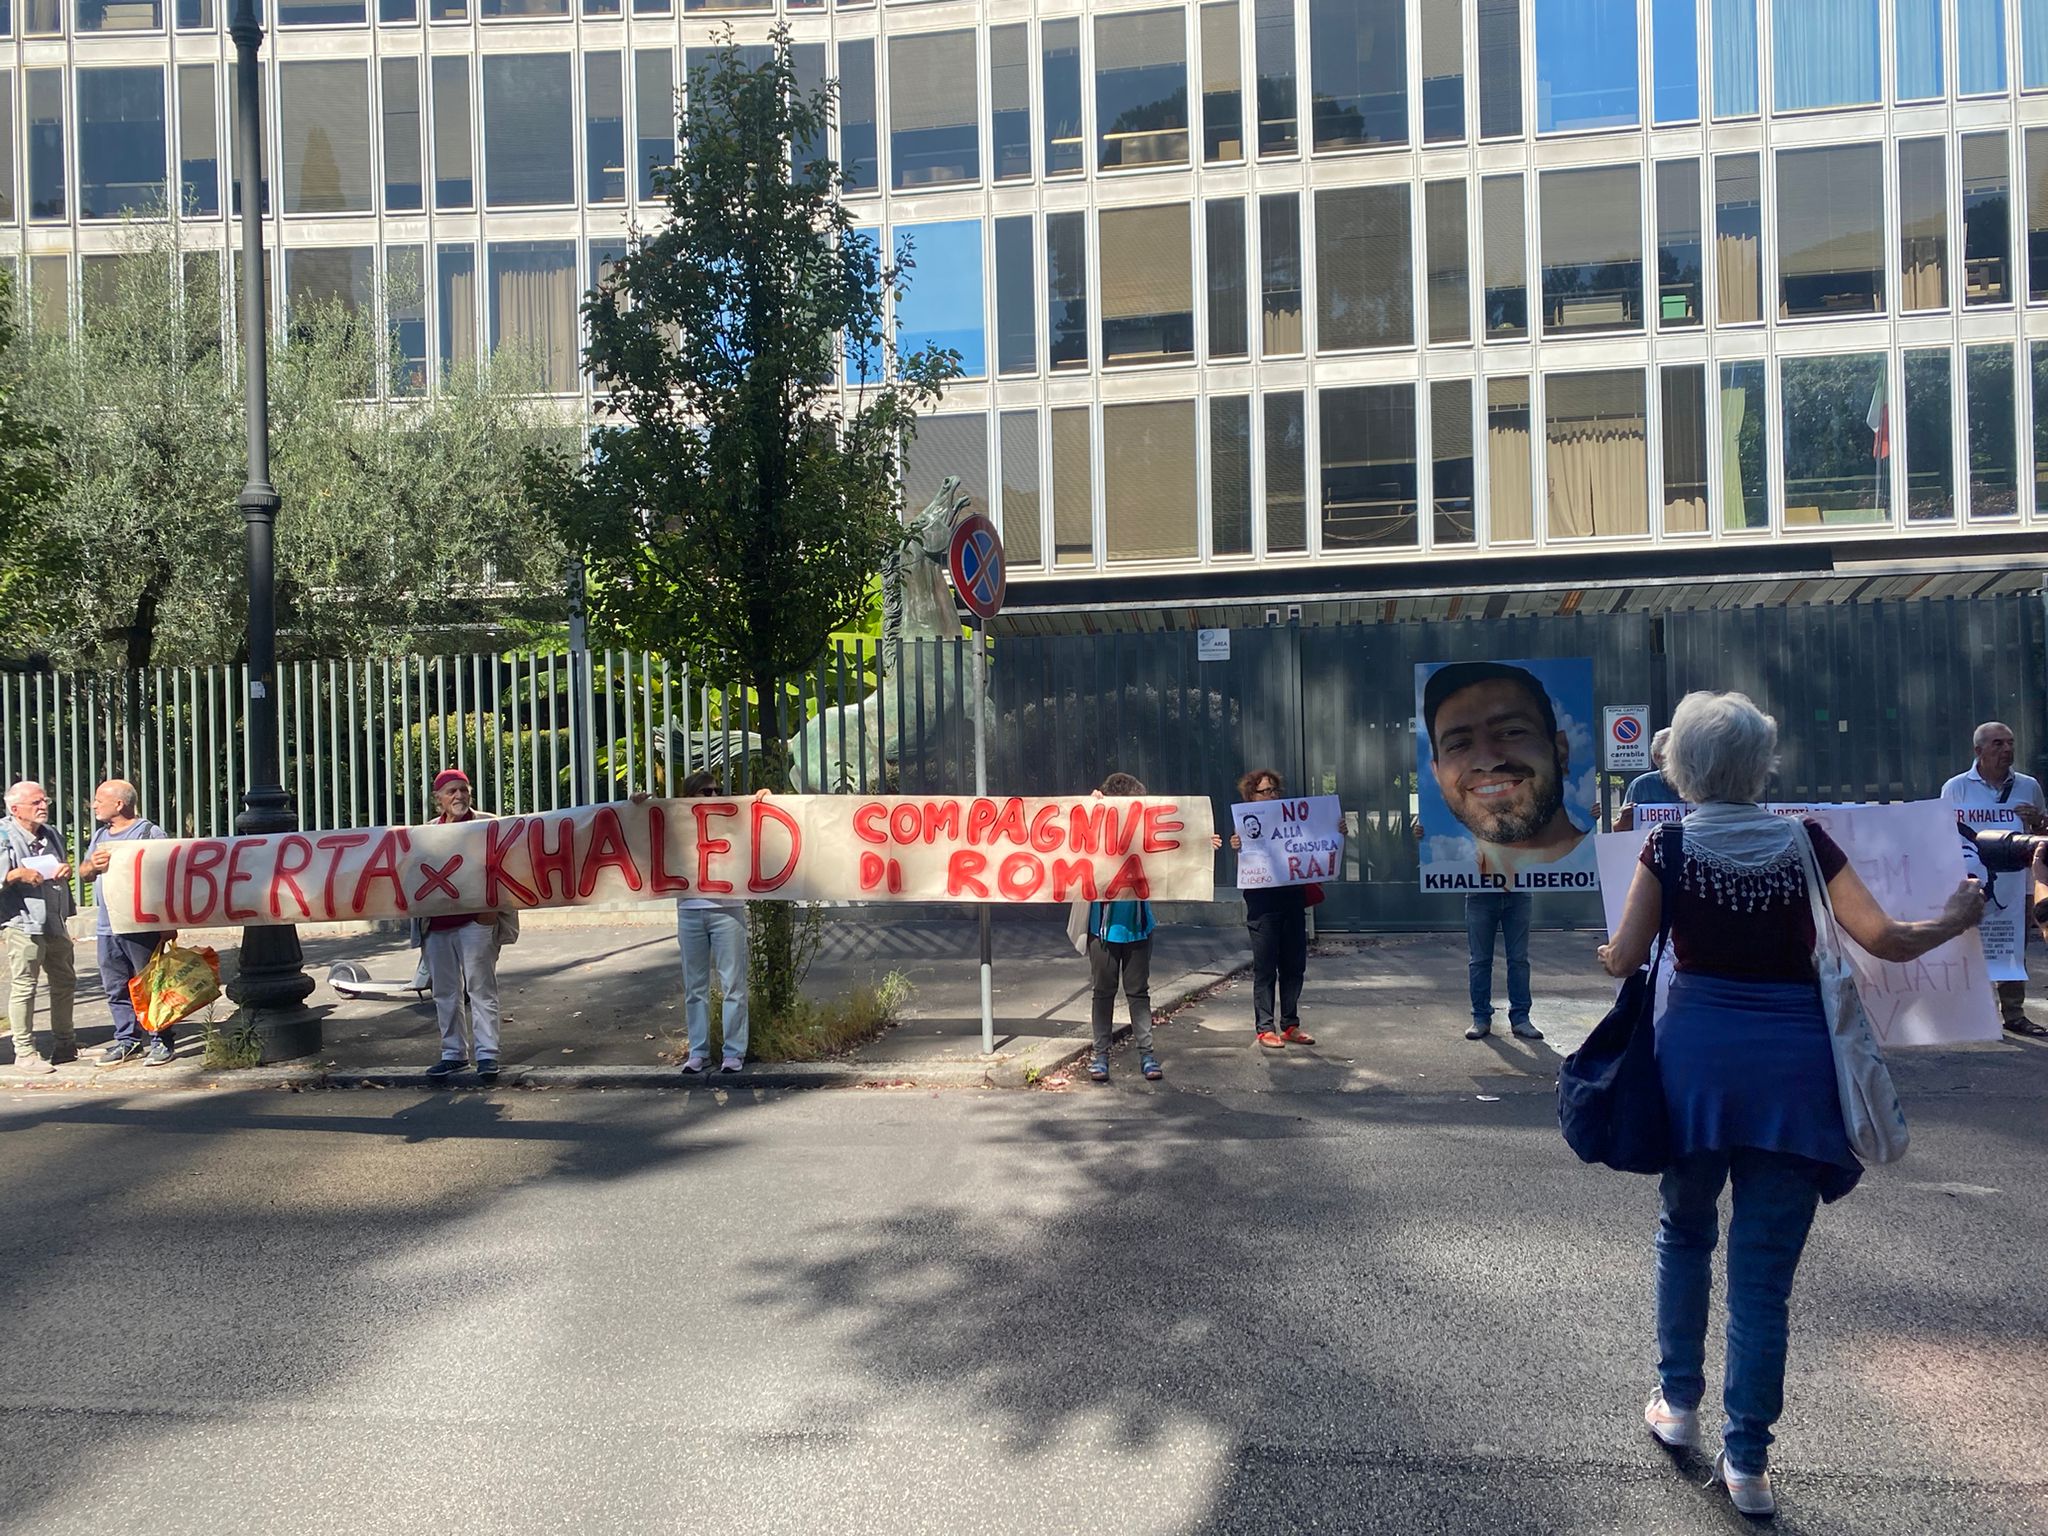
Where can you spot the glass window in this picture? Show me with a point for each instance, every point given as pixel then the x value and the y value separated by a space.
pixel 1066 288
pixel 1510 485
pixel 1450 452
pixel 448 10
pixel 604 127
pixel 1824 53
pixel 2037 213
pixel 1286 458
pixel 455 300
pixel 948 445
pixel 405 317
pixel 1500 69
pixel 126 15
pixel 318 278
pixel 1450 285
pixel 1443 72
pixel 654 116
pixel 1923 224
pixel 807 67
pixel 1222 84
pixel 1929 444
pixel 1675 61
pixel 1994 464
pixel 1744 497
pixel 1836 438
pixel 399 101
pixel 326 129
pixel 1503 230
pixel 454 162
pixel 1149 504
pixel 1230 475
pixel 320 13
pixel 1141 89
pixel 123 164
pixel 1073 485
pixel 859 151
pixel 1273 57
pixel 942 306
pixel 1280 273
pixel 1987 233
pixel 1365 277
pixel 1681 255
pixel 1738 239
pixel 2033 44
pixel 1916 30
pixel 652 8
pixel 1148 306
pixel 200 274
pixel 1596 455
pixel 529 131
pixel 1369 499
pixel 100 280
pixel 7 209
pixel 1021 507
pixel 1016 298
pixel 50 295
pixel 2040 354
pixel 398 11
pixel 1585 65
pixel 1980 49
pixel 1060 66
pixel 1592 251
pixel 198 145
pixel 1009 91
pixel 1732 59
pixel 533 299
pixel 45 104
pixel 1358 72
pixel 1685 448
pixel 1831 231
pixel 933 115
pixel 1229 285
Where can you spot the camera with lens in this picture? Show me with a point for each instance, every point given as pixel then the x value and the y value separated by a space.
pixel 2006 853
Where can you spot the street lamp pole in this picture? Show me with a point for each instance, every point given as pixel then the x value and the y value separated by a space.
pixel 271 986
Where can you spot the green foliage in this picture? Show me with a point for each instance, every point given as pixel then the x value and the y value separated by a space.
pixel 233 1044
pixel 38 564
pixel 813 1031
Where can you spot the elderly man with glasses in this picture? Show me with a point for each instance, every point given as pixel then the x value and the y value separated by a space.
pixel 35 899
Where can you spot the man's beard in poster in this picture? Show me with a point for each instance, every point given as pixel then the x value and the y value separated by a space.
pixel 1509 827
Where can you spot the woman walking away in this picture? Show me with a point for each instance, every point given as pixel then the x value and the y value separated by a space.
pixel 1747 1067
pixel 1277 919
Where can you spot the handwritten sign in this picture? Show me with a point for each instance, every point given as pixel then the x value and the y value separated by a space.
pixel 1288 842
pixel 1911 859
pixel 788 848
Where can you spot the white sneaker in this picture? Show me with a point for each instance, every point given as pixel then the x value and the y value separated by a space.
pixel 1678 1428
pixel 1750 1492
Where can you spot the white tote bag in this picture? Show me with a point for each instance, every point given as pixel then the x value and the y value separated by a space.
pixel 1870 1104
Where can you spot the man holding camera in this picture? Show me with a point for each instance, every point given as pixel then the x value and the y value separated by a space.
pixel 1992 797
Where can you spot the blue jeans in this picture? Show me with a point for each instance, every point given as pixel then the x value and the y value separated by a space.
pixel 1507 912
pixel 1775 1196
pixel 714 936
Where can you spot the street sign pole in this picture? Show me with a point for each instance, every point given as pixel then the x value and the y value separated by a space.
pixel 980 580
pixel 988 991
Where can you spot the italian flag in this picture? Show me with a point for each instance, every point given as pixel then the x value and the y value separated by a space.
pixel 1879 419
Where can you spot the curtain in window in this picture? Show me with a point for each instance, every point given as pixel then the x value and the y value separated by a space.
pixel 533 307
pixel 1734 58
pixel 1510 489
pixel 1023 537
pixel 1824 53
pixel 1916 36
pixel 1596 457
pixel 1980 47
pixel 1149 504
pixel 1733 404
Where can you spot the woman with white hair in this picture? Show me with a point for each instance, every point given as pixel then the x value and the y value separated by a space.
pixel 1746 1064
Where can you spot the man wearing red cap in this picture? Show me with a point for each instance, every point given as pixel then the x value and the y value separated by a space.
pixel 462 957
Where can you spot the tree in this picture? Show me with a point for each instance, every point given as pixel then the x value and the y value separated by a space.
pixel 37 562
pixel 734 504
pixel 399 514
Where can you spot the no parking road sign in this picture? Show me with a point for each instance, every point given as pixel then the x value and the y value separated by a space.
pixel 1626 739
pixel 979 573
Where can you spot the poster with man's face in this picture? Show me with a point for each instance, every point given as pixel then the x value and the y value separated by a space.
pixel 1506 763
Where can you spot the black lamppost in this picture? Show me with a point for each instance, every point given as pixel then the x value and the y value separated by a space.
pixel 272 984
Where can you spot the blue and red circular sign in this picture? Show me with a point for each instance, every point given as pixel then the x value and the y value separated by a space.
pixel 1627 729
pixel 980 574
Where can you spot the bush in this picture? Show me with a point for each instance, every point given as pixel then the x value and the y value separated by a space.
pixel 812 1031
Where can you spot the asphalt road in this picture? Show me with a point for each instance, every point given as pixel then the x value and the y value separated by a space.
pixel 1232 1302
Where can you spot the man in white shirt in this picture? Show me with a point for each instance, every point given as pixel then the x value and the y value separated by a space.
pixel 1992 797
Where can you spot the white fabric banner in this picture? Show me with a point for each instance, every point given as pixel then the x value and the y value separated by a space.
pixel 1911 858
pixel 1289 841
pixel 784 848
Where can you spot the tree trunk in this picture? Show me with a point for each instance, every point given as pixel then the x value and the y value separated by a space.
pixel 142 626
pixel 774 985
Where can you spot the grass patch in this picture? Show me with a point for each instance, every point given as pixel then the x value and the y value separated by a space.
pixel 813 1031
pixel 232 1044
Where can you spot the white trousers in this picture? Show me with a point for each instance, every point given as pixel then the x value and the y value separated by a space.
pixel 464 962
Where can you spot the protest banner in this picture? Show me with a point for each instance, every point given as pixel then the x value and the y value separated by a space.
pixel 1295 841
pixel 1505 764
pixel 1911 859
pixel 785 848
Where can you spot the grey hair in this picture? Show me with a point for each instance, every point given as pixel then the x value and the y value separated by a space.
pixel 1722 748
pixel 1977 736
pixel 18 791
pixel 1660 743
pixel 127 793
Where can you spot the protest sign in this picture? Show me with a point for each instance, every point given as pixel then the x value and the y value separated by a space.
pixel 1288 842
pixel 786 848
pixel 1506 767
pixel 1911 859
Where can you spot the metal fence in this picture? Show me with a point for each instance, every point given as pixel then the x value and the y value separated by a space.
pixel 1875 702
